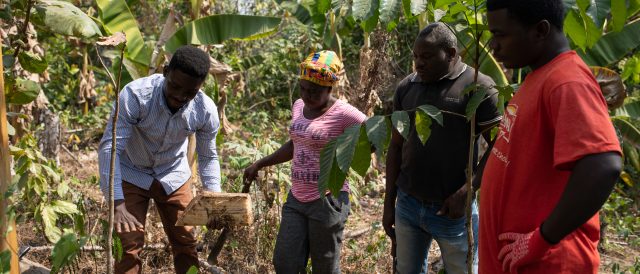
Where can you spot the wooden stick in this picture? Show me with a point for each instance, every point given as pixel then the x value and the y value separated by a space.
pixel 10 241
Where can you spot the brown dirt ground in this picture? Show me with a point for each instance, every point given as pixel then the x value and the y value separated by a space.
pixel 249 249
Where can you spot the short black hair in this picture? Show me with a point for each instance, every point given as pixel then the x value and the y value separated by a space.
pixel 440 34
pixel 530 12
pixel 190 60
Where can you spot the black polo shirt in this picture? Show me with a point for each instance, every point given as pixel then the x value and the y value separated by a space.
pixel 434 171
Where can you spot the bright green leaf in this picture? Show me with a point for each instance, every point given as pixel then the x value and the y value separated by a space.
pixel 442 3
pixel 346 146
pixel 52 173
pixel 64 251
pixel 389 10
pixel 32 62
pixel 370 24
pixel 400 120
pixel 116 16
pixel 49 221
pixel 613 46
pixel 117 247
pixel 362 155
pixel 62 189
pixel 64 18
pixel 64 207
pixel 575 29
pixel 634 7
pixel 423 126
pixel 413 7
pixel 594 32
pixel 363 9
pixel 322 6
pixel 434 112
pixel 216 29
pixel 618 14
pixel 192 270
pixel 474 102
pixel 25 92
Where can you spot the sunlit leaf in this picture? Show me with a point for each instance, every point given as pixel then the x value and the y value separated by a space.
pixel 618 14
pixel 216 29
pixel 412 8
pixel 323 6
pixel 32 62
pixel 423 126
pixel 64 207
pixel 25 92
pixel 52 173
pixel 613 46
pixel 433 112
pixel 389 10
pixel 64 18
pixel 116 16
pixel 49 221
pixel 400 120
pixel 192 270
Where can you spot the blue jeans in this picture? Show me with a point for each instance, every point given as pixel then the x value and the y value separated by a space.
pixel 417 224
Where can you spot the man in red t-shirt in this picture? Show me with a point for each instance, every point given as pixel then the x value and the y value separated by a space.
pixel 556 156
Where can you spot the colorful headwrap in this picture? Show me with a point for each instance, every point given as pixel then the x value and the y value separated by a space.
pixel 321 68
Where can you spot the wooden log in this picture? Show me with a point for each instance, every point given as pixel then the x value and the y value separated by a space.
pixel 232 208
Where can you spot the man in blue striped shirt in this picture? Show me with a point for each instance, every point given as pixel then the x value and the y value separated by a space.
pixel 157 114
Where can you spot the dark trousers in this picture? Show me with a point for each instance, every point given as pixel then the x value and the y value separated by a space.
pixel 311 229
pixel 181 238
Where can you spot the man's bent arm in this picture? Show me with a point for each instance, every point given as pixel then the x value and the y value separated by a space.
pixel 208 163
pixel 592 179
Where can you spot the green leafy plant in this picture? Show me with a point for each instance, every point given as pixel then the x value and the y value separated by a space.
pixel 40 181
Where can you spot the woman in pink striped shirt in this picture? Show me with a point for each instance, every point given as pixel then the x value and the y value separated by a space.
pixel 310 226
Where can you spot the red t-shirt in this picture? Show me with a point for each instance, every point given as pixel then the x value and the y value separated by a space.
pixel 557 117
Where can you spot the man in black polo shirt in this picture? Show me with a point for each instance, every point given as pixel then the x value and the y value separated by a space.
pixel 428 180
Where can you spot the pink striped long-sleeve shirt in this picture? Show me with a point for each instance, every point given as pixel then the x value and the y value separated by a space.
pixel 309 137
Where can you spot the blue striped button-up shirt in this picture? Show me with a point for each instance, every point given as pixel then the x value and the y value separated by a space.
pixel 152 142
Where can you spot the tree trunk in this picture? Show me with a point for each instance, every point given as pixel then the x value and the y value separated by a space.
pixel 49 135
